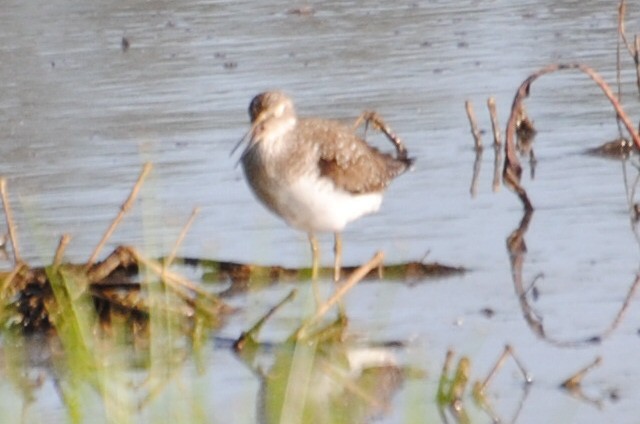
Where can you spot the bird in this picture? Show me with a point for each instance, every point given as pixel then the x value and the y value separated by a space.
pixel 317 174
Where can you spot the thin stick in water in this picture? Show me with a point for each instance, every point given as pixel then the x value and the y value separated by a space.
pixel 13 236
pixel 474 125
pixel 172 278
pixel 621 30
pixel 497 138
pixel 123 210
pixel 575 380
pixel 62 246
pixel 512 170
pixel 507 352
pixel 169 259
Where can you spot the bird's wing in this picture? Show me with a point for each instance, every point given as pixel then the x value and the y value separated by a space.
pixel 346 159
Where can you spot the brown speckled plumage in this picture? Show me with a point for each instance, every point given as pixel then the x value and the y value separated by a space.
pixel 347 160
pixel 326 147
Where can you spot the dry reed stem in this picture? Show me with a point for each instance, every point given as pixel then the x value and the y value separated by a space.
pixel 512 170
pixel 8 279
pixel 621 30
pixel 497 138
pixel 446 366
pixel 169 259
pixel 240 343
pixel 123 210
pixel 573 382
pixel 619 58
pixel 13 236
pixel 507 352
pixel 171 278
pixel 292 294
pixel 353 279
pixel 477 138
pixel 62 246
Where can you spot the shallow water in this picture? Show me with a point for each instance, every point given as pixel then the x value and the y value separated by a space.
pixel 79 116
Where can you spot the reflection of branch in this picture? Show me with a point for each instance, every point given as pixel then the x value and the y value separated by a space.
pixel 575 380
pixel 476 172
pixel 618 318
pixel 506 353
pixel 574 383
pixel 517 249
pixel 497 161
pixel 512 171
pixel 452 386
pixel 480 387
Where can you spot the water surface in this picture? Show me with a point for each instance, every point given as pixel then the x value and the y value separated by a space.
pixel 79 117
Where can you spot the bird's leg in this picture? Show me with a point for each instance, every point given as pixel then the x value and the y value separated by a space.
pixel 315 263
pixel 315 256
pixel 337 267
pixel 337 256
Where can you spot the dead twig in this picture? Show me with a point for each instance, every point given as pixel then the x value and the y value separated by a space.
pixel 62 246
pixel 477 137
pixel 512 170
pixel 506 353
pixel 13 236
pixel 250 335
pixel 622 8
pixel 171 278
pixel 497 137
pixel 123 210
pixel 573 383
pixel 169 259
pixel 9 278
pixel 479 388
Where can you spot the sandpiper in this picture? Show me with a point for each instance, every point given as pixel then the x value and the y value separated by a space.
pixel 316 174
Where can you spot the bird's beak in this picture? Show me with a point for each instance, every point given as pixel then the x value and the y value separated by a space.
pixel 244 137
pixel 251 135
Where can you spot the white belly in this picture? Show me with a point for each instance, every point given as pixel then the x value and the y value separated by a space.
pixel 312 204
